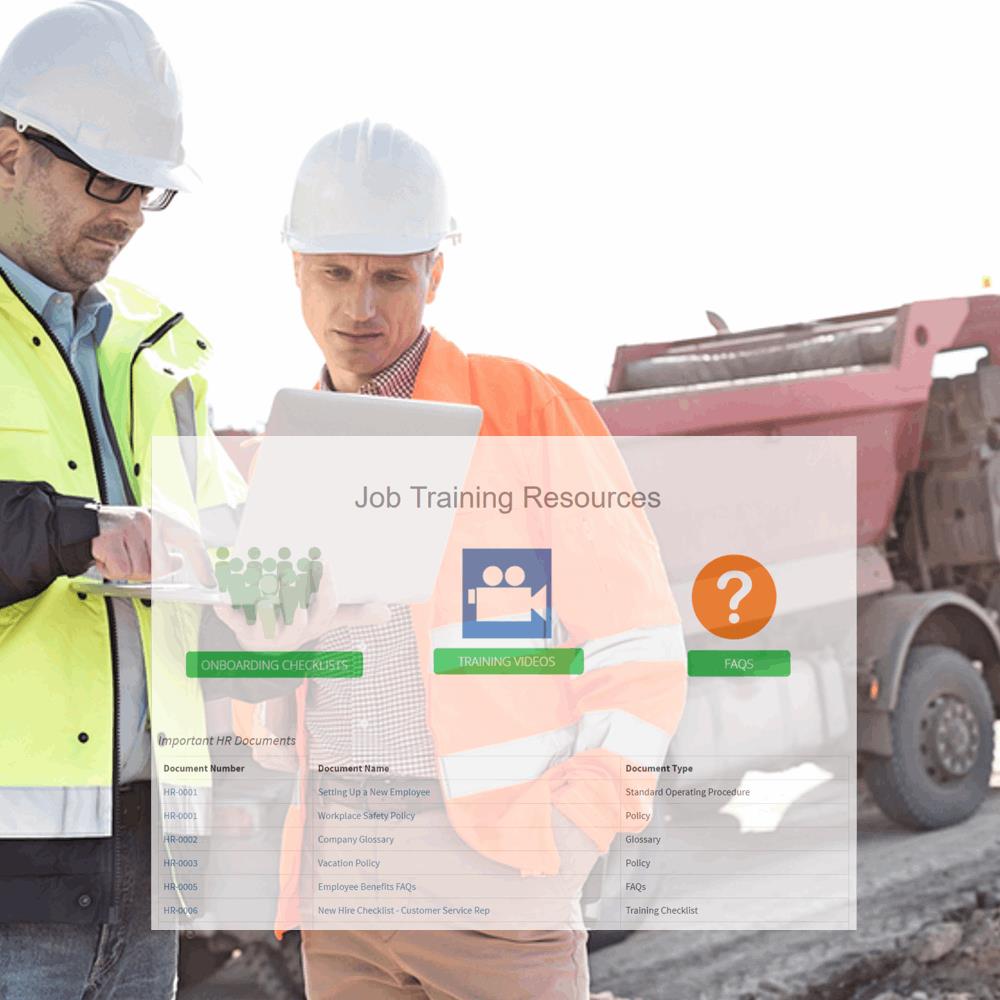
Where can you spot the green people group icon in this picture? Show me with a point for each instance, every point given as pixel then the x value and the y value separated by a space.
pixel 269 589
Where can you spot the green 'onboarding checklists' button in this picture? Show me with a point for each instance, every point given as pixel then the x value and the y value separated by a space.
pixel 297 663
pixel 508 661
pixel 739 663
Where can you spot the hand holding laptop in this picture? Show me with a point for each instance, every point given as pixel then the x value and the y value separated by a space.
pixel 124 549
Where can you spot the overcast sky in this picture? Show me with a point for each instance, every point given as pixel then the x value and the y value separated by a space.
pixel 615 170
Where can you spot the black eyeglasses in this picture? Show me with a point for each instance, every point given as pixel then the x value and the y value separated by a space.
pixel 101 186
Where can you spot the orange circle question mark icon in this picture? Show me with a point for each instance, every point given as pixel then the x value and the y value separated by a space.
pixel 734 596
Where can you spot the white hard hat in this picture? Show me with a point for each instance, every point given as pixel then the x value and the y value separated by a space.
pixel 368 189
pixel 93 75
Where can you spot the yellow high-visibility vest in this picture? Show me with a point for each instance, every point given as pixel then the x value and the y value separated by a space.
pixel 57 656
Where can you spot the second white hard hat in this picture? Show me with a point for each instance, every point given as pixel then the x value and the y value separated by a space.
pixel 368 189
pixel 93 75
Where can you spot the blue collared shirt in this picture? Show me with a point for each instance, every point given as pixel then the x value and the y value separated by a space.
pixel 79 328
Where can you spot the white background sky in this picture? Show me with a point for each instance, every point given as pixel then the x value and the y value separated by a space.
pixel 615 169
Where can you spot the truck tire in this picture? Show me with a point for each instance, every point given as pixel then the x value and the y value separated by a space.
pixel 942 743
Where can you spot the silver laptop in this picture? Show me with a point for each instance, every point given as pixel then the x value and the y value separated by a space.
pixel 376 554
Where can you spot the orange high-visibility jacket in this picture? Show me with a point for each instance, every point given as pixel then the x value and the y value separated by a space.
pixel 628 701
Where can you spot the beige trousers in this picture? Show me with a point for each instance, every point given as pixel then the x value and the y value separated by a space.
pixel 457 963
pixel 445 965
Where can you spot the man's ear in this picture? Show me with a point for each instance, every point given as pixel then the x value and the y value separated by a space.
pixel 436 271
pixel 297 267
pixel 13 156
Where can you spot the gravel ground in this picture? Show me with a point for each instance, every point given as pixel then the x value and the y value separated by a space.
pixel 906 881
pixel 953 959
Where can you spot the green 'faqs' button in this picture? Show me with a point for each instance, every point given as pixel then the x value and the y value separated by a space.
pixel 739 663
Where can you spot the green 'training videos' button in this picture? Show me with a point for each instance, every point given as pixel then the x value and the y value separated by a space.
pixel 508 661
pixel 739 663
pixel 298 663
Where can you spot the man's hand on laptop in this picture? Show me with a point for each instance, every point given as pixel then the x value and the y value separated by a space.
pixel 125 547
pixel 321 616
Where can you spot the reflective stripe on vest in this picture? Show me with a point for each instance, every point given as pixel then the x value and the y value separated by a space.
pixel 637 645
pixel 55 812
pixel 513 762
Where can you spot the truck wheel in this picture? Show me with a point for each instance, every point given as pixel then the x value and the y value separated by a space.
pixel 942 743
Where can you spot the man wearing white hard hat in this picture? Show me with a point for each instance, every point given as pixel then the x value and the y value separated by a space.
pixel 367 220
pixel 90 141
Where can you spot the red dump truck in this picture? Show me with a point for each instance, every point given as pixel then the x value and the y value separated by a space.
pixel 928 453
pixel 928 535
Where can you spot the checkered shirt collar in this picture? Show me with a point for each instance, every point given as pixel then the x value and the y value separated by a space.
pixel 396 380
